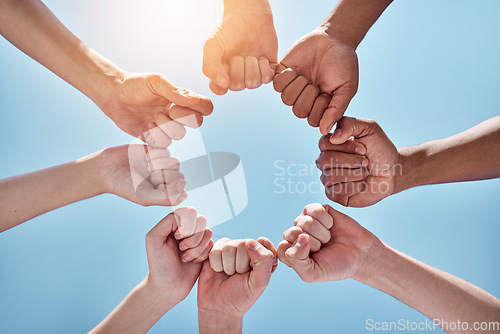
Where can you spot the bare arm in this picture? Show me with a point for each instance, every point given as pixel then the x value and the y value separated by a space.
pixel 471 155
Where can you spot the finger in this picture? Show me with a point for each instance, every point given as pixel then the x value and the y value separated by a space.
pixel 292 234
pixel 349 146
pixel 341 192
pixel 204 106
pixel 333 159
pixel 165 176
pixel 318 109
pixel 336 109
pixel 313 227
pixel 204 255
pixel 198 234
pixel 341 175
pixel 164 163
pixel 229 258
pixel 293 90
pixel 349 127
pixel 216 89
pixel 155 153
pixel 304 104
pixel 262 266
pixel 199 252
pixel 270 246
pixel 237 73
pixel 162 195
pixel 215 255
pixel 266 71
pixel 212 64
pixel 186 222
pixel 284 78
pixel 298 258
pixel 320 213
pixel 163 87
pixel 242 259
pixel 156 137
pixel 252 73
pixel 282 248
pixel 173 129
pixel 185 116
pixel 164 227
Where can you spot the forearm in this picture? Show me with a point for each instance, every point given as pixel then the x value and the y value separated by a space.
pixel 33 28
pixel 27 196
pixel 217 322
pixel 351 19
pixel 138 312
pixel 245 4
pixel 436 294
pixel 470 155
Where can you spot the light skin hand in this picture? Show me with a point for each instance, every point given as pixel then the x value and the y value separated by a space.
pixel 340 258
pixel 242 51
pixel 143 174
pixel 172 272
pixel 362 165
pixel 136 103
pixel 232 280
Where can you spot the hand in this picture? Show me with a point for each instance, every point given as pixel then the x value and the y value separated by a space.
pixel 319 77
pixel 176 248
pixel 143 175
pixel 243 50
pixel 143 102
pixel 343 256
pixel 362 170
pixel 236 275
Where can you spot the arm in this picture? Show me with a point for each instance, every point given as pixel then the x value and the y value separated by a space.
pixel 146 177
pixel 350 20
pixel 135 102
pixel 232 280
pixel 471 155
pixel 176 248
pixel 354 252
pixel 442 297
pixel 368 167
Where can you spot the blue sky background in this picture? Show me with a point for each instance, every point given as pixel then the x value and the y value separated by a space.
pixel 429 69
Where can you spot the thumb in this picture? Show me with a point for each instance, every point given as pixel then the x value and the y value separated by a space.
pixel 298 258
pixel 261 260
pixel 336 109
pixel 212 64
pixel 180 96
pixel 351 127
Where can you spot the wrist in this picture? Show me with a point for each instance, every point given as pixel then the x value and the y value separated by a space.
pixel 160 297
pixel 411 172
pixel 339 34
pixel 231 5
pixel 374 263
pixel 92 168
pixel 211 321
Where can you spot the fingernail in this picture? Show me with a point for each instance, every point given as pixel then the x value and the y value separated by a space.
pixel 361 150
pixel 252 245
pixel 180 185
pixel 337 133
pixel 365 162
pixel 186 259
pixel 331 126
pixel 221 81
pixel 183 247
pixel 301 242
pixel 177 235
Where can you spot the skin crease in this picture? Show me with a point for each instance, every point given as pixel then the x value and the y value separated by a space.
pixel 223 299
pixel 171 276
pixel 242 51
pixel 132 101
pixel 354 252
pixel 466 156
pixel 326 58
pixel 138 173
